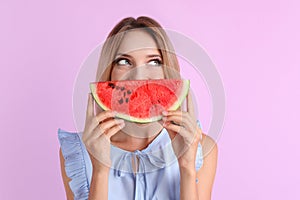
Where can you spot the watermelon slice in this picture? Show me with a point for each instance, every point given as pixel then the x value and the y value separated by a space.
pixel 140 100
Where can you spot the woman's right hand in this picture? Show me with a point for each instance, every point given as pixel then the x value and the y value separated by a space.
pixel 97 133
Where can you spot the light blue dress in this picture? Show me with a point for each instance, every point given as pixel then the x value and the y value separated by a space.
pixel 158 175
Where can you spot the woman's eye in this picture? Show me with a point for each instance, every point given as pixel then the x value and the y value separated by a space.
pixel 155 62
pixel 122 61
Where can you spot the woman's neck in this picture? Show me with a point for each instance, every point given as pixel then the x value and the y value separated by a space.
pixel 134 137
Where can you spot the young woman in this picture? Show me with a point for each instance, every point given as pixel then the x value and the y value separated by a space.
pixel 115 159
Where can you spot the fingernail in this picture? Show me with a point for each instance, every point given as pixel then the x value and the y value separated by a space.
pixel 164 118
pixel 164 112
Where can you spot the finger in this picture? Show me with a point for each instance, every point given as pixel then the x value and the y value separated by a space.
pixel 90 106
pixel 178 129
pixel 190 105
pixel 101 117
pixel 97 132
pixel 106 126
pixel 189 121
pixel 188 137
pixel 173 112
pixel 89 116
pixel 179 120
pixel 110 123
pixel 113 130
pixel 177 113
pixel 98 109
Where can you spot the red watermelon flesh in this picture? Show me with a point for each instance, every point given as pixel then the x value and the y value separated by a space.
pixel 140 100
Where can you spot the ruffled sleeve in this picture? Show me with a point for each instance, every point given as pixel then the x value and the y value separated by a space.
pixel 73 151
pixel 199 155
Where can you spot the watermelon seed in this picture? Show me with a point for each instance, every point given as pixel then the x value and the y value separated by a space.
pixel 111 85
pixel 121 101
pixel 126 100
pixel 128 92
pixel 124 94
pixel 122 88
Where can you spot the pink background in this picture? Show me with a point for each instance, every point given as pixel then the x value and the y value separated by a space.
pixel 254 44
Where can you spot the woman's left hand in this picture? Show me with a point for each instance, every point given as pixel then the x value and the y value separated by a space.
pixel 184 133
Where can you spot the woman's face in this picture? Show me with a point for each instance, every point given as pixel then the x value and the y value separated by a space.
pixel 137 58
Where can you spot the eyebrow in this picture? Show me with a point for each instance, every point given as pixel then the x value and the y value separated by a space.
pixel 127 55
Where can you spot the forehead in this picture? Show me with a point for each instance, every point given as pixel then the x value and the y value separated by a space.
pixel 137 40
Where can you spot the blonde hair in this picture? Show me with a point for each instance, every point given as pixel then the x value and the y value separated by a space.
pixel 115 37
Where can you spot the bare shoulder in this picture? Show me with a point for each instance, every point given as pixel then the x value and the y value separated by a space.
pixel 209 146
pixel 206 174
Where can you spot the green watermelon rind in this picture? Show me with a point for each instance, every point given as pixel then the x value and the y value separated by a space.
pixel 175 106
pixel 93 88
pixel 186 87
